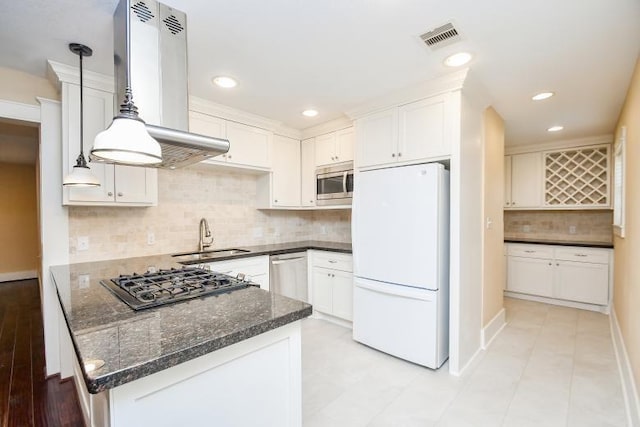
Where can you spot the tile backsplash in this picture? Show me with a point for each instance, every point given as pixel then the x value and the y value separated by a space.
pixel 227 199
pixel 569 225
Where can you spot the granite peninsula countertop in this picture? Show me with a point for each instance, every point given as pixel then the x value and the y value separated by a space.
pixel 579 243
pixel 134 344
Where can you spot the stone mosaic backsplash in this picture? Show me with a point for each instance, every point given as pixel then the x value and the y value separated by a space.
pixel 227 199
pixel 569 225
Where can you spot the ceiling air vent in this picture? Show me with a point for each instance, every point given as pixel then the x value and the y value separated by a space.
pixel 142 11
pixel 173 24
pixel 441 36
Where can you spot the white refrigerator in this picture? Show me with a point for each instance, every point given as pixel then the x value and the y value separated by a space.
pixel 400 233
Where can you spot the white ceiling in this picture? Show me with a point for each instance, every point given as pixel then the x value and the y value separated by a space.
pixel 334 55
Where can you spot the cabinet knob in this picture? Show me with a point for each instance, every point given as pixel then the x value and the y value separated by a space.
pixel 557 264
pixel 399 154
pixel 229 155
pixel 337 158
pixel 310 201
pixel 275 201
pixel 120 194
pixel 550 263
pixel 110 194
pixel 329 274
pixel 393 154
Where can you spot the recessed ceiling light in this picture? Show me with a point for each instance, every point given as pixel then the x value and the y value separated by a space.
pixel 225 82
pixel 457 59
pixel 310 113
pixel 555 128
pixel 542 95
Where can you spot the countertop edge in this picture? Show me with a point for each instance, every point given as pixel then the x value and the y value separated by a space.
pixel 595 245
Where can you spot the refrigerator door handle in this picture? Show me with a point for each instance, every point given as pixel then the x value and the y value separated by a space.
pixel 397 290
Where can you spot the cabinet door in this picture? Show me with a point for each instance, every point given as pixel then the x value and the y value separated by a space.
pixel 325 149
pixel 582 282
pixel 249 145
pixel 322 290
pixel 526 180
pixel 507 181
pixel 377 138
pixel 204 124
pixel 342 294
pixel 421 129
pixel 307 173
pixel 98 112
pixel 136 185
pixel 345 144
pixel 530 276
pixel 286 171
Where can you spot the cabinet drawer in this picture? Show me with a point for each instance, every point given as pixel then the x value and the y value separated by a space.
pixel 582 255
pixel 530 251
pixel 335 261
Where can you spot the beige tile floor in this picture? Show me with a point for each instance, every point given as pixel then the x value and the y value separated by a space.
pixel 550 366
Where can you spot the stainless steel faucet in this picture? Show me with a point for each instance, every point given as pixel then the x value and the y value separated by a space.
pixel 205 232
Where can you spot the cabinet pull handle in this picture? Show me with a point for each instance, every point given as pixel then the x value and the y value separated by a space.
pixel 120 194
pixel 581 255
pixel 110 194
pixel 529 251
pixel 332 261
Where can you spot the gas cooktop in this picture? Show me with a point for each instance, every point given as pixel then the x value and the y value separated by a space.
pixel 151 289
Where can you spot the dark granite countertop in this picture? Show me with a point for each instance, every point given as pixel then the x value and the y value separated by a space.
pixel 583 244
pixel 136 344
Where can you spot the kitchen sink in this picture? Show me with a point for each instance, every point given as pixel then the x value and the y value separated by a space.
pixel 205 255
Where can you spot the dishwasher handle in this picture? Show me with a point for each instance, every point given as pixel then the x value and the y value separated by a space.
pixel 284 261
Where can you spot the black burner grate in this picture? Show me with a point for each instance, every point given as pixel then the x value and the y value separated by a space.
pixel 147 290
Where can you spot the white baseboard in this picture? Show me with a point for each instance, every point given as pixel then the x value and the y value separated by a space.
pixel 18 275
pixel 473 361
pixel 629 389
pixel 583 306
pixel 493 328
pixel 332 319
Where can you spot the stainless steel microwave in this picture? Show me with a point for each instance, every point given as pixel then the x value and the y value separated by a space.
pixel 334 185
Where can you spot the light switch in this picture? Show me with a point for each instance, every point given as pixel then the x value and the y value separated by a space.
pixel 83 243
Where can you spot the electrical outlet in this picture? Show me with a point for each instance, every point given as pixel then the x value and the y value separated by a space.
pixel 83 243
pixel 83 281
pixel 572 229
pixel 323 229
pixel 489 223
pixel 526 228
pixel 151 238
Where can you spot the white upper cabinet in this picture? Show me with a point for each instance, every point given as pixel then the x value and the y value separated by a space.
pixel 249 146
pixel 286 172
pixel 119 185
pixel 406 134
pixel 507 181
pixel 334 147
pixel 307 173
pixel 526 180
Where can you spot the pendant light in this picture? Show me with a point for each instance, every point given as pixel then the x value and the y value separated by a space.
pixel 126 140
pixel 81 175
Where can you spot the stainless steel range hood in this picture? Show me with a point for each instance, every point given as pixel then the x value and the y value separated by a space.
pixel 158 52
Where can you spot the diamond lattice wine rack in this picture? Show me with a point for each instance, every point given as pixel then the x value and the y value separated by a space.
pixel 577 177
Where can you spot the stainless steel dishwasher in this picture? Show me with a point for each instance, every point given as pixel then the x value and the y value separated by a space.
pixel 288 275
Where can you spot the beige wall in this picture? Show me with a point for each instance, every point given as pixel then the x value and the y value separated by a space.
pixel 626 297
pixel 22 87
pixel 19 240
pixel 225 198
pixel 591 226
pixel 493 240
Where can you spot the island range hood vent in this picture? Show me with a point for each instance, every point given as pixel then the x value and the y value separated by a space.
pixel 158 52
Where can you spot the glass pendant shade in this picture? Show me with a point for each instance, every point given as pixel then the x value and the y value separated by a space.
pixel 80 177
pixel 126 141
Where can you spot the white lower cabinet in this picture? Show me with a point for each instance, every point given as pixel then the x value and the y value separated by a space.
pixel 562 273
pixel 332 283
pixel 255 269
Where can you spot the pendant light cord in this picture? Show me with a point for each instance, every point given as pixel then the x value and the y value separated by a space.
pixel 81 109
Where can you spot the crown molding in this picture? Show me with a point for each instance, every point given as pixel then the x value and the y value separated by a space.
pixel 228 113
pixel 59 73
pixel 447 83
pixel 327 127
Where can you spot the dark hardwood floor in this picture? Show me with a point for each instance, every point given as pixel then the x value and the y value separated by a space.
pixel 27 397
